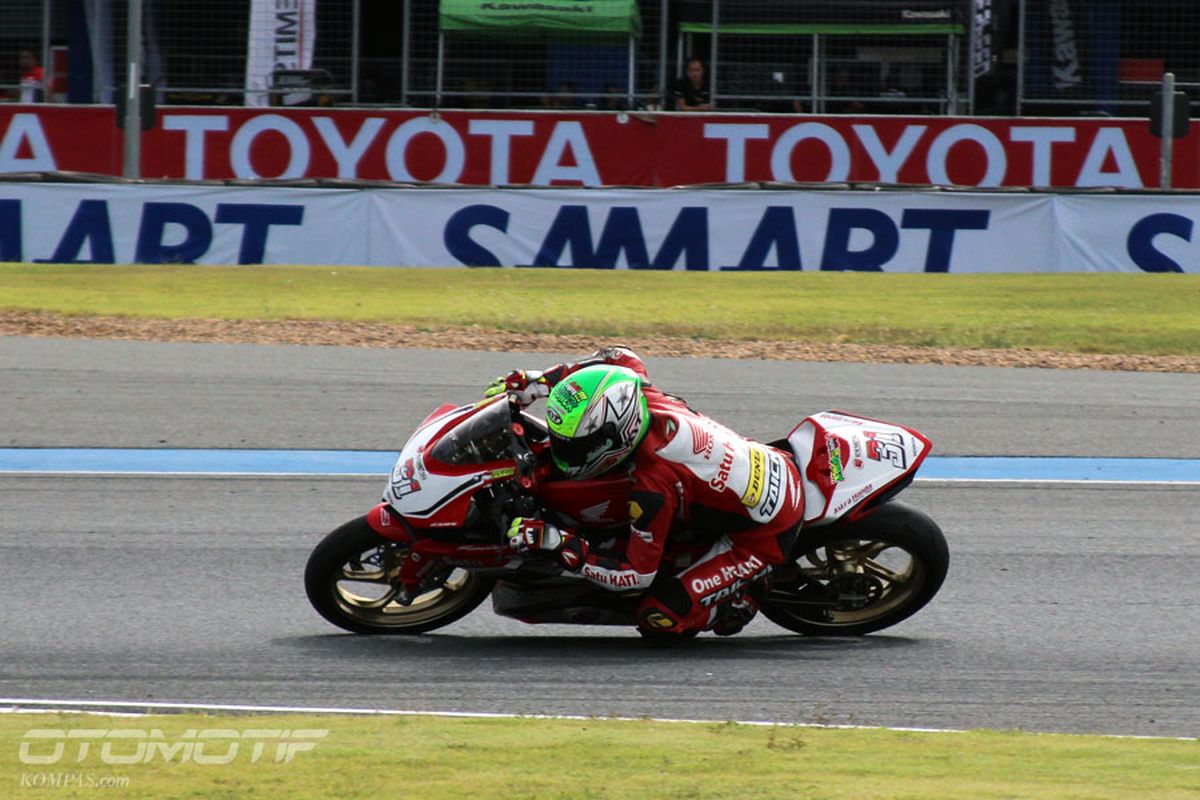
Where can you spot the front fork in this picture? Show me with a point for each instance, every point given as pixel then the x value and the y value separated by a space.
pixel 423 556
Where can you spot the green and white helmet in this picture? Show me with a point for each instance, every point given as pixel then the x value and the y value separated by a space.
pixel 596 416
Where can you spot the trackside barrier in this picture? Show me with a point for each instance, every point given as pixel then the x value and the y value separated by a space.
pixel 781 228
pixel 594 149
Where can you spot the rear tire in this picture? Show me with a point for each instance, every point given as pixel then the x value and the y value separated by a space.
pixel 347 582
pixel 861 577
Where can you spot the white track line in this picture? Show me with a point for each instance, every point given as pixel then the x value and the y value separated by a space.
pixel 9 705
pixel 17 705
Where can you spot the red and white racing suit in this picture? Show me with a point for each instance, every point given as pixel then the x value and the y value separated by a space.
pixel 690 471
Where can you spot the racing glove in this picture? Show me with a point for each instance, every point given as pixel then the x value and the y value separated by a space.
pixel 526 385
pixel 527 534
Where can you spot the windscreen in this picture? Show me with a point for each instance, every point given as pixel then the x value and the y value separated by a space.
pixel 479 439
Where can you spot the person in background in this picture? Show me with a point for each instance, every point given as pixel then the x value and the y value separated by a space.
pixel 33 79
pixel 841 91
pixel 691 91
pixel 614 99
pixel 563 98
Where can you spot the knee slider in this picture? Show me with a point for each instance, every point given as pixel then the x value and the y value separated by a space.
pixel 666 607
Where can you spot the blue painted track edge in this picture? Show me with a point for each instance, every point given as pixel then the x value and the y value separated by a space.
pixel 263 462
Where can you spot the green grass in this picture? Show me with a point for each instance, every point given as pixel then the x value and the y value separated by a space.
pixel 423 757
pixel 1081 312
pixel 434 757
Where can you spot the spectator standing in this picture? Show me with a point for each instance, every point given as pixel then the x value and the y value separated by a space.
pixel 614 100
pixel 691 91
pixel 563 98
pixel 33 79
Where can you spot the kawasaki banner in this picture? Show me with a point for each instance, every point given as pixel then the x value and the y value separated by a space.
pixel 282 35
pixel 1072 47
pixel 617 17
pixel 1064 47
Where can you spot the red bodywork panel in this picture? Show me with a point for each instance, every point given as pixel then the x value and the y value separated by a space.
pixel 388 524
pixel 444 408
pixel 598 503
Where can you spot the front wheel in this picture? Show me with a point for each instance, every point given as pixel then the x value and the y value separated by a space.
pixel 855 578
pixel 349 581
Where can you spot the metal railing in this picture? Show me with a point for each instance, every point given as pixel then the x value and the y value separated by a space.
pixel 852 57
pixel 1077 57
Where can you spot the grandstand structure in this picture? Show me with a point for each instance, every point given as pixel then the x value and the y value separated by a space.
pixel 939 57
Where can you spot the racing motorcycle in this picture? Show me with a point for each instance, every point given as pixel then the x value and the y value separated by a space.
pixel 436 547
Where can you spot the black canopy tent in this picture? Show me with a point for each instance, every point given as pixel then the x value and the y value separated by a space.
pixel 943 20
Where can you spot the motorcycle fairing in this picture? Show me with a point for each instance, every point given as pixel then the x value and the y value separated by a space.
pixel 594 503
pixel 388 524
pixel 563 601
pixel 442 464
pixel 848 461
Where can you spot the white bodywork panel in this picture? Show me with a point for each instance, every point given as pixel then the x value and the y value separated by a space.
pixel 845 460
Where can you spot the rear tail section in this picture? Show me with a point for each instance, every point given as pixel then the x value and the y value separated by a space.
pixel 851 463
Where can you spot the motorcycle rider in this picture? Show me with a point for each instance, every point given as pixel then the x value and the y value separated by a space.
pixel 603 414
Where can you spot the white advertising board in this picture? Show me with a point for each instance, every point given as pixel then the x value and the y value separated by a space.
pixel 893 231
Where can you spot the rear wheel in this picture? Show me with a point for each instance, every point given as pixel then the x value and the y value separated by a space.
pixel 856 578
pixel 350 582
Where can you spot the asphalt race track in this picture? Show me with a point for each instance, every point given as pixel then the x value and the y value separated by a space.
pixel 1069 607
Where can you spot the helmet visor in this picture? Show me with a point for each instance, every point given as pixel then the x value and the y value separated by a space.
pixel 578 456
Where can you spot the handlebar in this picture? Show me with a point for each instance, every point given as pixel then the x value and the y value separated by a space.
pixel 524 456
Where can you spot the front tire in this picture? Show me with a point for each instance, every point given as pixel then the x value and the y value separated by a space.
pixel 348 582
pixel 855 578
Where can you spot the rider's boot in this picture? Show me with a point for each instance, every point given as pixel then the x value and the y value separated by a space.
pixel 735 615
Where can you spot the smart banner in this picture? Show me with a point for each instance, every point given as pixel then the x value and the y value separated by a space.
pixel 722 230
pixel 122 224
pixel 740 230
pixel 573 149
pixel 1137 232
